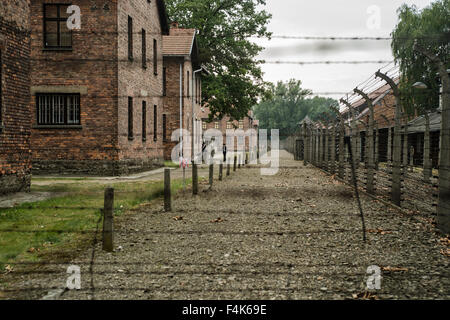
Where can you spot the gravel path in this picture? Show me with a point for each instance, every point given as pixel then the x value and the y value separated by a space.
pixel 295 235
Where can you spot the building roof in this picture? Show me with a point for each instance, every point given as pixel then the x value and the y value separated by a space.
pixel 306 120
pixel 418 124
pixel 179 42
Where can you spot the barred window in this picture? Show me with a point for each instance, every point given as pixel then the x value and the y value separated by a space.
pixel 144 120
pixel 203 124
pixel 56 33
pixel 229 125
pixel 144 49
pixel 130 38
pixel 164 81
pixel 164 128
pixel 155 123
pixel 241 124
pixel 58 109
pixel 216 125
pixel 130 118
pixel 155 57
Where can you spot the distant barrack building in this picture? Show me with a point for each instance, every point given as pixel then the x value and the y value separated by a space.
pixel 97 92
pixel 226 123
pixel 182 91
pixel 15 114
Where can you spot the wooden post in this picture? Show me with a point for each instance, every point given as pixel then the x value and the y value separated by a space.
pixel 194 179
pixel 108 218
pixel 211 174
pixel 221 172
pixel 167 191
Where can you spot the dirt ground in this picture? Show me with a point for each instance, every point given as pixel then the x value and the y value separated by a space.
pixel 295 235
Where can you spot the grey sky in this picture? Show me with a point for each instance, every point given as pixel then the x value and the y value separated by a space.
pixel 328 18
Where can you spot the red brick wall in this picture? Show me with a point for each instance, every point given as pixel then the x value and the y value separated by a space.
pixel 15 124
pixel 141 83
pixel 172 101
pixel 223 125
pixel 99 69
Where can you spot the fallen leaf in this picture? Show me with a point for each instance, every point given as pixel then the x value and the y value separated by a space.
pixel 366 295
pixel 393 269
pixel 218 220
pixel 177 218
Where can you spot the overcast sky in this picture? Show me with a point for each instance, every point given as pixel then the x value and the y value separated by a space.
pixel 341 18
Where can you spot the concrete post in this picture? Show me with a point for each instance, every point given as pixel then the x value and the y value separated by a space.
pixel 326 137
pixel 333 150
pixel 369 142
pixel 396 166
pixel 427 168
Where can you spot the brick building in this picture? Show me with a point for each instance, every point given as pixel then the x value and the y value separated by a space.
pixel 15 124
pixel 225 124
pixel 384 103
pixel 97 91
pixel 182 89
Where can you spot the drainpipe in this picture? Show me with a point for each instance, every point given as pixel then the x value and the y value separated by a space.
pixel 181 110
pixel 194 86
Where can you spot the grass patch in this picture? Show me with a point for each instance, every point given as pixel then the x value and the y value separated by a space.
pixel 34 231
pixel 170 164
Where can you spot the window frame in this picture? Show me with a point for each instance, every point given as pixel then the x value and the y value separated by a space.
pixel 164 133
pixel 144 120
pixel 144 48
pixel 155 122
pixel 164 81
pixel 65 95
pixel 58 20
pixel 130 38
pixel 130 119
pixel 155 57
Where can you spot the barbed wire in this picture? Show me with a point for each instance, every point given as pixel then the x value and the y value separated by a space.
pixel 326 62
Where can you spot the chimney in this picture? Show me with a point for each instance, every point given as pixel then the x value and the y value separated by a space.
pixel 174 25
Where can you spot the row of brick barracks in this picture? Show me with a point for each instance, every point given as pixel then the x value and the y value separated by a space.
pixel 103 99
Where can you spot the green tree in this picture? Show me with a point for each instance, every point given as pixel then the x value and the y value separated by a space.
pixel 430 28
pixel 288 104
pixel 224 28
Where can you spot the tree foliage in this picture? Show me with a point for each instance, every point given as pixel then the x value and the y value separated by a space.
pixel 430 28
pixel 288 104
pixel 224 28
